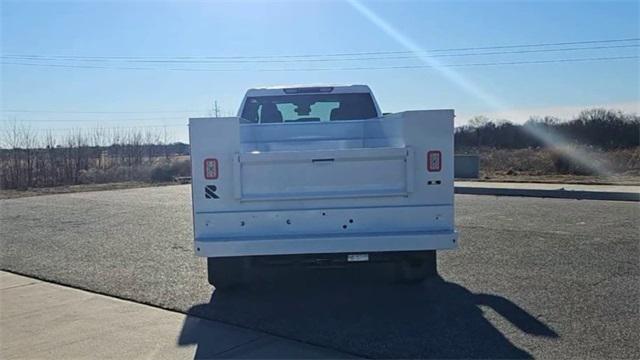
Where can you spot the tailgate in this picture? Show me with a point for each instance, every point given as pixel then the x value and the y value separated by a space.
pixel 323 174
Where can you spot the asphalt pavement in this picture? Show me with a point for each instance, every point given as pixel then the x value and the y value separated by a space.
pixel 550 278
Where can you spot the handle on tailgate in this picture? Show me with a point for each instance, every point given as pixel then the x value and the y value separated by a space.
pixel 323 160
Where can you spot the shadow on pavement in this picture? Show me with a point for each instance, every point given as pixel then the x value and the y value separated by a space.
pixel 351 312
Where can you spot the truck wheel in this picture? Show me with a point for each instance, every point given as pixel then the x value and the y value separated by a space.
pixel 415 267
pixel 228 272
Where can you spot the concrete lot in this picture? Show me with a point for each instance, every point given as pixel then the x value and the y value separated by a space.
pixel 40 320
pixel 557 191
pixel 533 277
pixel 548 186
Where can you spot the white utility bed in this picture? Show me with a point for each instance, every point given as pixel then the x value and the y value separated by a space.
pixel 323 187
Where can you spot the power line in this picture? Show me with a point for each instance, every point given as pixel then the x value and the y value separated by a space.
pixel 92 120
pixel 98 112
pixel 263 61
pixel 508 63
pixel 110 128
pixel 346 54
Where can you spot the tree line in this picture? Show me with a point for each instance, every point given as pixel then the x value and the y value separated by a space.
pixel 30 159
pixel 598 128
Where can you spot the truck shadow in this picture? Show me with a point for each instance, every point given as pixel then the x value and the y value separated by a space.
pixel 436 319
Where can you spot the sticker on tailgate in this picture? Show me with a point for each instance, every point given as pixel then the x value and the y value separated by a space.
pixel 210 192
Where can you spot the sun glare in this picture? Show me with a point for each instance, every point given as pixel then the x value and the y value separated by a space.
pixel 494 103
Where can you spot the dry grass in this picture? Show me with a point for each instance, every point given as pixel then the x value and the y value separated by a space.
pixel 551 165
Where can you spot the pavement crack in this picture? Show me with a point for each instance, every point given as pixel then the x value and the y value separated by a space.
pixel 606 278
pixel 18 286
pixel 241 345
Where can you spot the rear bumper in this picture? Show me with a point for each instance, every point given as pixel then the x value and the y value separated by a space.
pixel 325 244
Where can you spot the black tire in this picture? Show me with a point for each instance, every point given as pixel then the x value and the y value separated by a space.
pixel 229 272
pixel 416 267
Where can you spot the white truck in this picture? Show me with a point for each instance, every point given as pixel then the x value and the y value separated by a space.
pixel 318 175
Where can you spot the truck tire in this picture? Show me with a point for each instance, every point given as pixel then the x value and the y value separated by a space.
pixel 229 272
pixel 416 266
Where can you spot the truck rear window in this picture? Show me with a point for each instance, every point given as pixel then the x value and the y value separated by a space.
pixel 308 107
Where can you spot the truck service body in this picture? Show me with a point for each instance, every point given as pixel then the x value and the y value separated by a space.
pixel 319 173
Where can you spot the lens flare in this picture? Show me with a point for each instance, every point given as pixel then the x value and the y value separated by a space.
pixel 551 140
pixel 425 56
pixel 561 146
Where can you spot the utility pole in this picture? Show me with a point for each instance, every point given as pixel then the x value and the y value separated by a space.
pixel 164 143
pixel 216 109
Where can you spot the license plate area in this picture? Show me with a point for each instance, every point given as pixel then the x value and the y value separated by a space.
pixel 357 257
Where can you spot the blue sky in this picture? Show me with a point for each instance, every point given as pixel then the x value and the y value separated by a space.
pixel 150 29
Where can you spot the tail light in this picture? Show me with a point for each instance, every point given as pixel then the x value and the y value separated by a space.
pixel 211 169
pixel 434 160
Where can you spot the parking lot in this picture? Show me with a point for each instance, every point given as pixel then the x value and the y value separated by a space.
pixel 532 277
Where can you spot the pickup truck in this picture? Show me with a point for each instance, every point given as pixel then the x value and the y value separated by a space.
pixel 318 175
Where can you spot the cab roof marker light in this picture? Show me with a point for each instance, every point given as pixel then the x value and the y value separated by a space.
pixel 308 90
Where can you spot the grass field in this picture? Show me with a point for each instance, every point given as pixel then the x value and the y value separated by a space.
pixel 553 165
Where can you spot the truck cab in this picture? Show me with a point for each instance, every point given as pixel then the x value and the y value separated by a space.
pixel 318 174
pixel 308 104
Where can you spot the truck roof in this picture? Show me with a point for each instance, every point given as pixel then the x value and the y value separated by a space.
pixel 308 89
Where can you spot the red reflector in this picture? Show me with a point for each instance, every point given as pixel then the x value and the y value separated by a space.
pixel 434 160
pixel 211 169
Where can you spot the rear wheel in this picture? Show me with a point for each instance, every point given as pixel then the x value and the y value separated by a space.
pixel 416 266
pixel 229 272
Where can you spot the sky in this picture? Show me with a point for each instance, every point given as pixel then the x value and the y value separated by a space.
pixel 153 64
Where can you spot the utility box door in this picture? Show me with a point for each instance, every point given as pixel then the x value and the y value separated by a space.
pixel 323 174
